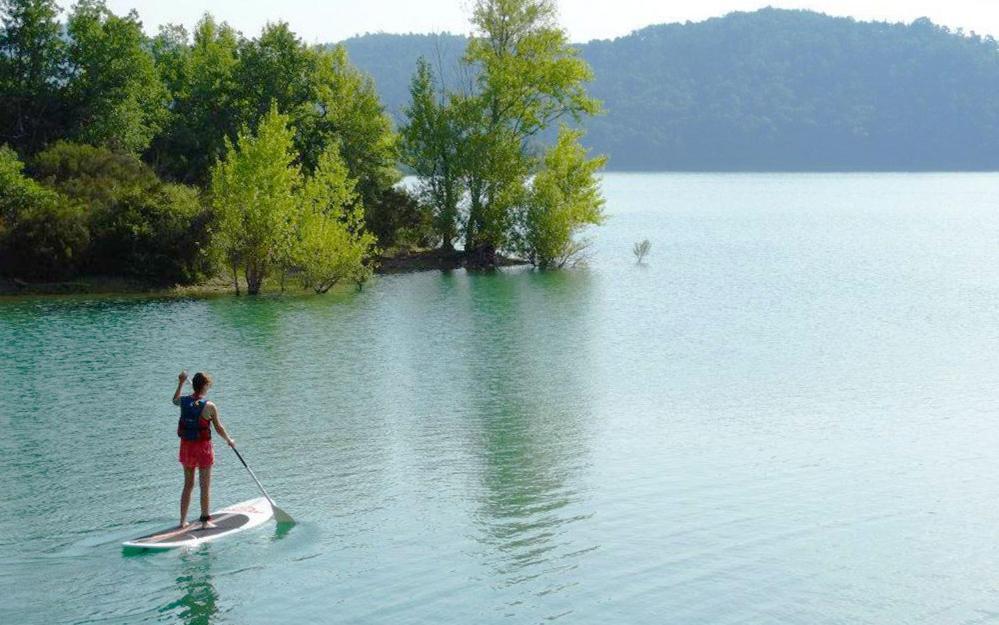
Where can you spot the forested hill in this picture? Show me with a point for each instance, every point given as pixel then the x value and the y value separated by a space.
pixel 768 90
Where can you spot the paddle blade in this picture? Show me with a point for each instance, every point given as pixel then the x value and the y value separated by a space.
pixel 282 517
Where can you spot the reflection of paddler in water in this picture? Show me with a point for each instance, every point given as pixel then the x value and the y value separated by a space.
pixel 197 416
pixel 199 603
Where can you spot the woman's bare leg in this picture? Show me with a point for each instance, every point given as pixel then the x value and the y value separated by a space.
pixel 205 476
pixel 185 495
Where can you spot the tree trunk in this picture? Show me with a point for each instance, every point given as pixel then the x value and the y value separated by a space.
pixel 235 279
pixel 254 279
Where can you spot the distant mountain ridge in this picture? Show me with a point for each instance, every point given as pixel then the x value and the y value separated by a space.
pixel 765 91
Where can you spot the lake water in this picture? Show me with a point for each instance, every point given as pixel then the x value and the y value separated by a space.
pixel 788 415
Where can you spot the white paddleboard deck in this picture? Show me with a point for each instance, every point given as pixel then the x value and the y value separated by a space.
pixel 236 518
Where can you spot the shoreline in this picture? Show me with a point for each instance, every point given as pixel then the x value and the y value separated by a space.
pixel 407 261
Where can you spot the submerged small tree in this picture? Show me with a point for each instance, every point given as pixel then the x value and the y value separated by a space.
pixel 564 198
pixel 641 250
pixel 254 192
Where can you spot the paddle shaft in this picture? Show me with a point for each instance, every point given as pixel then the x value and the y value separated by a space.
pixel 279 515
pixel 259 485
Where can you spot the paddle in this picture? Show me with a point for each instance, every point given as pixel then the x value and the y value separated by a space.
pixel 279 515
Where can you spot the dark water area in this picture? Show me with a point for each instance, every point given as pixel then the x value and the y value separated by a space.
pixel 787 415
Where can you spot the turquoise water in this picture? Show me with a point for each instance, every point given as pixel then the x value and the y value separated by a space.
pixel 786 416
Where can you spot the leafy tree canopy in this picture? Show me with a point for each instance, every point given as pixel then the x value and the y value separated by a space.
pixel 32 73
pixel 115 93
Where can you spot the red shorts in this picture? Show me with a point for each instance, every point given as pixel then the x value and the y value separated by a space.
pixel 196 454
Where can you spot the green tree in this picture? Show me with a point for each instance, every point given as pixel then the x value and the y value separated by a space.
pixel 171 51
pixel 528 77
pixel 254 193
pixel 430 146
pixel 348 113
pixel 276 68
pixel 32 73
pixel 565 197
pixel 205 110
pixel 335 250
pixel 115 92
pixel 333 245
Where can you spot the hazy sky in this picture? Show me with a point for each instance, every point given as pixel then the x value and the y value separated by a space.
pixel 333 20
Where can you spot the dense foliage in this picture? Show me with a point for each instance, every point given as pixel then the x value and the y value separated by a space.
pixel 768 90
pixel 139 226
pixel 115 96
pixel 400 220
pixel 91 79
pixel 222 82
pixel 91 210
pixel 43 234
pixel 114 125
pixel 32 74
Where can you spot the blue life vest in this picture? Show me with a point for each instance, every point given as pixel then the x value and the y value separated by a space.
pixel 191 426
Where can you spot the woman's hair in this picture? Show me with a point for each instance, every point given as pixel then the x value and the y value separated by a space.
pixel 200 381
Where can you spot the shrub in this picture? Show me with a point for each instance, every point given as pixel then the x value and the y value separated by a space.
pixel 140 227
pixel 155 234
pixel 48 241
pixel 17 191
pixel 43 235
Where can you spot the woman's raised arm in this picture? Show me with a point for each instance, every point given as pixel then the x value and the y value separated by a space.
pixel 180 385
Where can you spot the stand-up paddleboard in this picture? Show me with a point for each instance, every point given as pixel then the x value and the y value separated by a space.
pixel 235 518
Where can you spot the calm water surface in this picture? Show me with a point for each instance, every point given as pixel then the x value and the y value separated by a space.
pixel 787 416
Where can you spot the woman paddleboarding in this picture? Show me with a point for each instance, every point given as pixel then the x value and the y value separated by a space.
pixel 197 416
